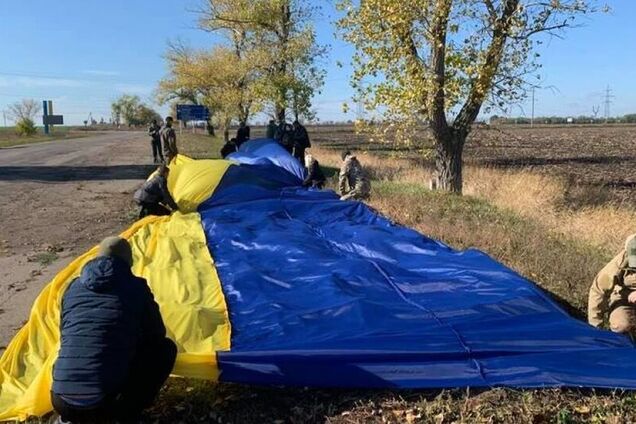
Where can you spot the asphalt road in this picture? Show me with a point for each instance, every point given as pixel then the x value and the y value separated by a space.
pixel 57 199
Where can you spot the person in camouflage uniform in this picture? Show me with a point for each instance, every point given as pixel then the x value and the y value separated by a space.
pixel 613 292
pixel 353 181
pixel 154 131
pixel 169 139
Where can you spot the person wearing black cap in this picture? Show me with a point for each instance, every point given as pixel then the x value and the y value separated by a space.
pixel 114 355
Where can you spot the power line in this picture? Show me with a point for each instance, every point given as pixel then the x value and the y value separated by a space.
pixel 608 102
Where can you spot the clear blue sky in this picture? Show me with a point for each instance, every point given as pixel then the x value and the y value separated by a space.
pixel 84 53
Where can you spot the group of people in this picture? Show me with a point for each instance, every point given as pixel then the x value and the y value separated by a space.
pixel 114 355
pixel 165 136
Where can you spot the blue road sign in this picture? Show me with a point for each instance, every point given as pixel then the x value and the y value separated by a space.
pixel 192 113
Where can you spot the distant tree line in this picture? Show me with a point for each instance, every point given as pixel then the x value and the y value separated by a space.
pixel 557 120
pixel 130 110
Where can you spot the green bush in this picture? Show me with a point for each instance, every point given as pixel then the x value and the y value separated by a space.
pixel 26 127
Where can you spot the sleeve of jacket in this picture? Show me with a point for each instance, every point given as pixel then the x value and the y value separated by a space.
pixel 342 177
pixel 152 323
pixel 601 290
pixel 167 197
pixel 311 175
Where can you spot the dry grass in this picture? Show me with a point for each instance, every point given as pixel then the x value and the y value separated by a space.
pixel 574 211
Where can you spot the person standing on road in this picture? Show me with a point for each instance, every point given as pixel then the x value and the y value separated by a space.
pixel 301 141
pixel 154 131
pixel 242 134
pixel 353 181
pixel 169 139
pixel 154 197
pixel 114 354
pixel 613 293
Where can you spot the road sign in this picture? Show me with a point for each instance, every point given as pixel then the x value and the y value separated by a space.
pixel 53 119
pixel 192 113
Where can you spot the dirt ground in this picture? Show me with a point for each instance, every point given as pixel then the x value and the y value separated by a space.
pixel 59 199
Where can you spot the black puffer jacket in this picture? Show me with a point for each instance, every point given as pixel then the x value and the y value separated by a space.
pixel 106 314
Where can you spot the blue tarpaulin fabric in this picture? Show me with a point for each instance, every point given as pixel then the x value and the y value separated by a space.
pixel 328 293
pixel 268 152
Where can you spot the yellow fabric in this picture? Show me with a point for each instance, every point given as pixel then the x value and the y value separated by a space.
pixel 171 253
pixel 191 182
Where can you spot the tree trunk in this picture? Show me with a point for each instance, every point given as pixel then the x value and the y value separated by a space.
pixel 210 128
pixel 226 133
pixel 449 162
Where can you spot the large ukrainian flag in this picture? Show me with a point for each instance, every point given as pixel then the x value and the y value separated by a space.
pixel 263 282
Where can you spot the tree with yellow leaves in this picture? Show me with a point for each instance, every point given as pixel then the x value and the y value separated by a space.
pixel 280 41
pixel 219 78
pixel 438 62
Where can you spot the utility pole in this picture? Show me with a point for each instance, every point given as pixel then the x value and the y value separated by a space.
pixel 608 103
pixel 532 118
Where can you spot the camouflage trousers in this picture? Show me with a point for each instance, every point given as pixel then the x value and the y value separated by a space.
pixel 359 192
pixel 622 319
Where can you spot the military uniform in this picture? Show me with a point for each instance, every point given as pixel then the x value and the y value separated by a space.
pixel 353 181
pixel 169 139
pixel 154 131
pixel 609 294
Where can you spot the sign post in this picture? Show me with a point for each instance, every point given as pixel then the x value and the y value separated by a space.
pixel 45 108
pixel 51 114
pixel 187 113
pixel 48 119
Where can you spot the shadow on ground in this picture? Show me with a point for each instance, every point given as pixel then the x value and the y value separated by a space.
pixel 75 173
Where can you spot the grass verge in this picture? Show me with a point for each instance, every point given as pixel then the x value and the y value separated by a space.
pixel 9 138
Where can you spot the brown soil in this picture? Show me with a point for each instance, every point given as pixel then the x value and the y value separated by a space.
pixel 59 199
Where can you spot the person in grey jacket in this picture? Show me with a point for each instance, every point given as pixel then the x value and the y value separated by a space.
pixel 154 197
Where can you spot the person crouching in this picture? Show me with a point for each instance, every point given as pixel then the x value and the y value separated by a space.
pixel 154 197
pixel 114 354
pixel 315 177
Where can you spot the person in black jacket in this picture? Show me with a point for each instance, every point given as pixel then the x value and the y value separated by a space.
pixel 301 141
pixel 154 197
pixel 315 176
pixel 114 355
pixel 228 148
pixel 242 134
pixel 154 131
